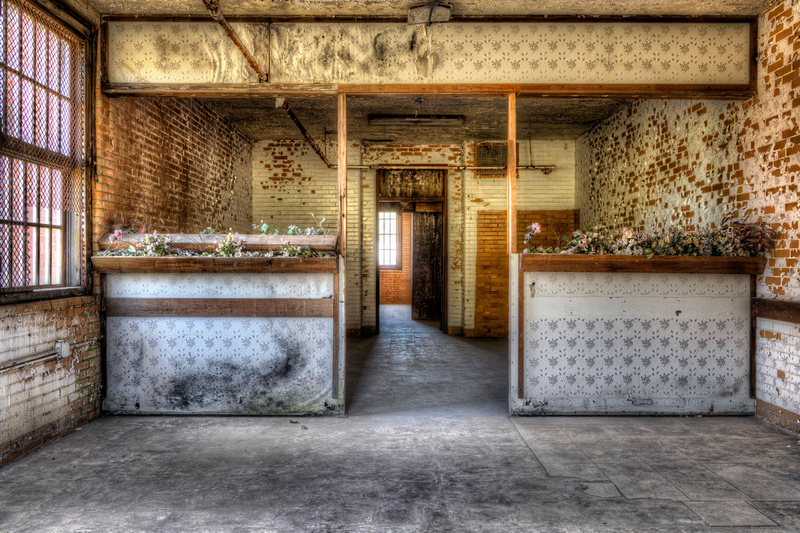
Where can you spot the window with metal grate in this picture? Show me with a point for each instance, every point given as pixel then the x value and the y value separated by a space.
pixel 42 154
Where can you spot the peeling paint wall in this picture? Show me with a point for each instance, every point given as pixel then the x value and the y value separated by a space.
pixel 541 52
pixel 179 52
pixel 44 394
pixel 659 164
pixel 285 174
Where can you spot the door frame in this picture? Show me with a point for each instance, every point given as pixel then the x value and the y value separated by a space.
pixel 441 200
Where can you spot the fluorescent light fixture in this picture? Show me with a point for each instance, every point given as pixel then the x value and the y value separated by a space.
pixel 416 120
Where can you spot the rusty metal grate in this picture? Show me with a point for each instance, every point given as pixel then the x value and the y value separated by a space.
pixel 491 155
pixel 42 151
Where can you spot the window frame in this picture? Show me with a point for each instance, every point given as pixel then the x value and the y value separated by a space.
pixel 398 265
pixel 76 248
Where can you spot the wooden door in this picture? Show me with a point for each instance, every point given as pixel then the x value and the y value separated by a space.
pixel 426 277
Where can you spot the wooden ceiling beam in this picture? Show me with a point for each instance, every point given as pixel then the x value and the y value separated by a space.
pixel 267 90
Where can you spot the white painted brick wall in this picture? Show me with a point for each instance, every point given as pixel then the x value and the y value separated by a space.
pixel 286 173
pixel 777 347
pixel 290 183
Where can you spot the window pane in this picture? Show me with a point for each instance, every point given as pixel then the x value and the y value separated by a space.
pixel 27 37
pixel 53 126
pixel 11 123
pixel 5 256
pixel 66 81
pixel 32 193
pixel 66 126
pixel 41 54
pixel 53 45
pixel 41 118
pixel 5 192
pixel 18 192
pixel 12 38
pixel 56 269
pixel 27 111
pixel 17 256
pixel 31 248
pixel 44 256
pixel 56 187
pixel 44 194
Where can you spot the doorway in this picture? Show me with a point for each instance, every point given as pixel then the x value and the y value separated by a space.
pixel 410 257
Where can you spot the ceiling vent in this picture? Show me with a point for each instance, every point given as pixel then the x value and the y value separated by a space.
pixel 429 12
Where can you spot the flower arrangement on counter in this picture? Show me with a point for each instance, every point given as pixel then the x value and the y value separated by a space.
pixel 155 244
pixel 733 239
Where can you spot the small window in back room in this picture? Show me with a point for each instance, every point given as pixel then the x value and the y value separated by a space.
pixel 389 253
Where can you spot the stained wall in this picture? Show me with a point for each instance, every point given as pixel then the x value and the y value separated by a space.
pixel 664 163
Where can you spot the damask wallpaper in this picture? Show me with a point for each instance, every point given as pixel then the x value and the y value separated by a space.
pixel 657 343
pixel 557 52
pixel 224 365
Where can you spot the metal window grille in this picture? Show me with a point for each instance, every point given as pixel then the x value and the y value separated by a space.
pixel 42 152
pixel 492 155
pixel 388 239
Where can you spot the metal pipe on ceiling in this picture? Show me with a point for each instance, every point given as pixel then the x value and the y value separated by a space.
pixel 216 14
pixel 304 131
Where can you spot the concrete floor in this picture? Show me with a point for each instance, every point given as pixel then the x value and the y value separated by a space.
pixel 427 446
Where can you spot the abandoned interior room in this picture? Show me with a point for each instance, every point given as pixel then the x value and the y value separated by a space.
pixel 379 265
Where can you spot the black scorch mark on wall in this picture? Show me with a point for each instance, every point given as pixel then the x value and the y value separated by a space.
pixel 232 386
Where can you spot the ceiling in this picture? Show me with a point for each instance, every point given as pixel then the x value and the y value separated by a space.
pixel 461 8
pixel 484 118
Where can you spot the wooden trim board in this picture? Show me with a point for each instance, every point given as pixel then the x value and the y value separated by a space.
pixel 188 264
pixel 221 307
pixel 641 264
pixel 781 310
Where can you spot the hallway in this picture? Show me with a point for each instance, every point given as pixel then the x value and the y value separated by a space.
pixel 426 446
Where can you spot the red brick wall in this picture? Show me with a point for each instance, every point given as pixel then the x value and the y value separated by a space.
pixel 396 284
pixel 491 273
pixel 172 164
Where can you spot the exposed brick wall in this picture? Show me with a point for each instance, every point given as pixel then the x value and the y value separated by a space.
pixel 396 284
pixel 43 396
pixel 658 164
pixel 173 164
pixel 491 266
pixel 291 183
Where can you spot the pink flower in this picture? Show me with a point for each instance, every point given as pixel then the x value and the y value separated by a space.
pixel 114 237
pixel 535 228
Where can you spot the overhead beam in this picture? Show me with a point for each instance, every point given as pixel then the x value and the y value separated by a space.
pixel 221 90
pixel 511 165
pixel 216 14
pixel 547 90
pixel 229 90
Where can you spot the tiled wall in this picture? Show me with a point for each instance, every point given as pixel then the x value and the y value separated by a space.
pixel 663 163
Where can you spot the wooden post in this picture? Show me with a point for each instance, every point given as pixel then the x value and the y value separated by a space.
pixel 342 174
pixel 512 174
pixel 753 333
